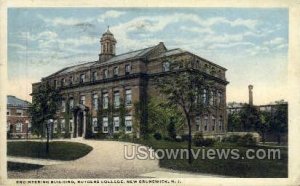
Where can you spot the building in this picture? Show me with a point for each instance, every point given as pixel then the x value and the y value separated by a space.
pixel 18 118
pixel 90 89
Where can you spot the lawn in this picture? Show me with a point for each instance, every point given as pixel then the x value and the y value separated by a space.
pixel 57 150
pixel 22 167
pixel 245 168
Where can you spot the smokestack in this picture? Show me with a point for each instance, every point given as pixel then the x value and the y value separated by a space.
pixel 250 88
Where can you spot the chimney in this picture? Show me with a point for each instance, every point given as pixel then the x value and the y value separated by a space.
pixel 250 88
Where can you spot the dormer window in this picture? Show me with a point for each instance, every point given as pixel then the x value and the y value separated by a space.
pixel 166 66
pixel 105 73
pixel 127 69
pixel 55 83
pixel 94 76
pixel 62 83
pixel 71 80
pixel 116 71
pixel 82 78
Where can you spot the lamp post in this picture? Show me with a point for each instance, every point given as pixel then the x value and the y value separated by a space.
pixel 48 125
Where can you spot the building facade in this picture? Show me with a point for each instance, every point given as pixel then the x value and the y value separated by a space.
pixel 99 96
pixel 18 118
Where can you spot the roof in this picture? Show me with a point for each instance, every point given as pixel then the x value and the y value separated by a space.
pixel 129 55
pixel 137 54
pixel 122 57
pixel 13 101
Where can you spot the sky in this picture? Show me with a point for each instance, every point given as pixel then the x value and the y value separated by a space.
pixel 251 43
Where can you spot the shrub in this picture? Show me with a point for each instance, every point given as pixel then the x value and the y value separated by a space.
pixel 100 135
pixel 157 136
pixel 171 130
pixel 247 140
pixel 232 138
pixel 116 135
pixel 185 137
pixel 199 141
pixel 178 139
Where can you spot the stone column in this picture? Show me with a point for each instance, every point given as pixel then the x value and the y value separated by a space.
pixel 84 124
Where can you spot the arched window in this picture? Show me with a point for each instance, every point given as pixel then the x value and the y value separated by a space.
pixel 166 66
pixel 220 123
pixel 205 122
pixel 213 124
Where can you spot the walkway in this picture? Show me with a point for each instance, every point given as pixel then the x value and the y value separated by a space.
pixel 35 161
pixel 106 160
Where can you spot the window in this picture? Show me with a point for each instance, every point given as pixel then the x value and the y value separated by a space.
pixel 94 76
pixel 220 98
pixel 8 127
pixel 62 82
pixel 82 78
pixel 198 123
pixel 63 125
pixel 55 83
pixel 205 122
pixel 211 97
pixel 116 124
pixel 128 124
pixel 128 97
pixel 8 112
pixel 166 66
pixel 95 101
pixel 95 125
pixel 82 100
pixel 116 99
pixel 19 112
pixel 213 123
pixel 127 69
pixel 63 105
pixel 19 127
pixel 71 80
pixel 204 97
pixel 215 98
pixel 71 123
pixel 105 100
pixel 105 73
pixel 55 126
pixel 71 103
pixel 220 123
pixel 116 71
pixel 105 125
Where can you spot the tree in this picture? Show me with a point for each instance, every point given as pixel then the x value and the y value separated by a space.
pixel 279 120
pixel 170 118
pixel 45 103
pixel 264 124
pixel 249 118
pixel 234 122
pixel 184 87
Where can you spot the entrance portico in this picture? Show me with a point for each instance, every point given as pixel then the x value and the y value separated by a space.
pixel 80 113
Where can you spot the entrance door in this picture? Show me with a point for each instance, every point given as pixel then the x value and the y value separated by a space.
pixel 80 124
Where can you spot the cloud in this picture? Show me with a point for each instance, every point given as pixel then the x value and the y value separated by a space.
pixel 45 35
pixel 229 45
pixel 275 41
pixel 110 14
pixel 17 46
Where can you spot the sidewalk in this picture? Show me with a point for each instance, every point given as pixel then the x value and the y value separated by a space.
pixel 36 161
pixel 166 173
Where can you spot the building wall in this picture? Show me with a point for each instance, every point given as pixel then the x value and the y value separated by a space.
pixel 18 125
pixel 139 85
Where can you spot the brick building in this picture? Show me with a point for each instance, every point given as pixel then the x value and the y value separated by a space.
pixel 18 118
pixel 90 89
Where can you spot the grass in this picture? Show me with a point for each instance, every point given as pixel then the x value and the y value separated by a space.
pixel 57 150
pixel 245 168
pixel 22 167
